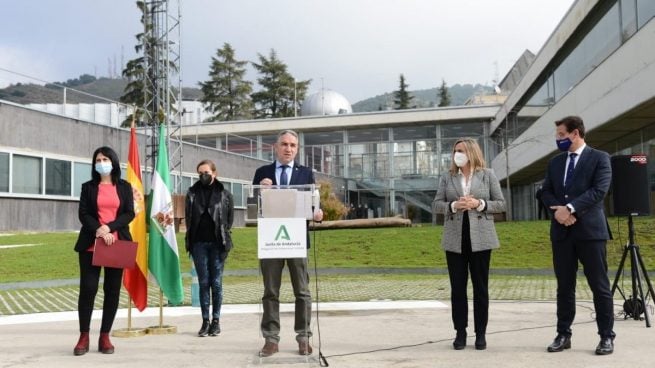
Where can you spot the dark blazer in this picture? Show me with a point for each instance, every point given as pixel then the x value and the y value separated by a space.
pixel 301 174
pixel 88 213
pixel 589 185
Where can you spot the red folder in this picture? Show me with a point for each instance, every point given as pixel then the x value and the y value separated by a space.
pixel 121 254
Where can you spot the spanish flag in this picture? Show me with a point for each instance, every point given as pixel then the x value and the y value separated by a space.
pixel 135 280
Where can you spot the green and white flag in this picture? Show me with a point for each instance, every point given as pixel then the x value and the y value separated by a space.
pixel 163 257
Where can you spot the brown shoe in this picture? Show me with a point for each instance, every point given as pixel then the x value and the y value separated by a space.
pixel 304 348
pixel 269 349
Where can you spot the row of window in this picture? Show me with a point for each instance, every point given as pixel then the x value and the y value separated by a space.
pixel 622 20
pixel 22 174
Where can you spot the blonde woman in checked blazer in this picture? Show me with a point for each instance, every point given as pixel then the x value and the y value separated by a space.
pixel 468 196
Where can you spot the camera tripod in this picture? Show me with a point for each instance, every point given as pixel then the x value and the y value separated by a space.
pixel 635 305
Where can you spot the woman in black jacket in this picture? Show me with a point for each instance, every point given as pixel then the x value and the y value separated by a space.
pixel 106 209
pixel 209 211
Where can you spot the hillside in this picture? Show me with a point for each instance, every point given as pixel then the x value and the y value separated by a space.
pixel 422 98
pixel 106 88
pixel 112 89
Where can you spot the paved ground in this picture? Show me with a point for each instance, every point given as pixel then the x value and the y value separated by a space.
pixel 246 288
pixel 380 334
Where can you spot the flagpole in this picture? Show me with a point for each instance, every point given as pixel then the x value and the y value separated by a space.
pixel 162 329
pixel 163 257
pixel 129 331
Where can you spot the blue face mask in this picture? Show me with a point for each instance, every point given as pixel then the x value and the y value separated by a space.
pixel 563 144
pixel 103 168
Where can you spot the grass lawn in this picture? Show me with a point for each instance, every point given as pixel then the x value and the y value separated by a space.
pixel 524 245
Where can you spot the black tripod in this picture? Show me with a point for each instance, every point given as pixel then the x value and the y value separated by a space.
pixel 635 305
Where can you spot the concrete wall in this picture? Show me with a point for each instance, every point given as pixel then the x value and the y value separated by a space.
pixel 30 130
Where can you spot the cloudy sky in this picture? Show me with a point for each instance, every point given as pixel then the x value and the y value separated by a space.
pixel 355 47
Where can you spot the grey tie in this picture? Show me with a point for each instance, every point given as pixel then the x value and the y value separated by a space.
pixel 284 180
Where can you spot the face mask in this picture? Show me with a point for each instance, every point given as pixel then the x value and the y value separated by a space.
pixel 460 159
pixel 563 144
pixel 205 179
pixel 104 168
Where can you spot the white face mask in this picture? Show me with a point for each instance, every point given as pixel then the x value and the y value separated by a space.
pixel 460 159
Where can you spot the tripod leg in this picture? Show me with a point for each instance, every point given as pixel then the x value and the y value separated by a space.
pixel 636 283
pixel 618 272
pixel 645 273
pixel 638 259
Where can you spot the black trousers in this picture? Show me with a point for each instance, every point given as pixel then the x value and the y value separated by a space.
pixel 459 265
pixel 111 286
pixel 593 256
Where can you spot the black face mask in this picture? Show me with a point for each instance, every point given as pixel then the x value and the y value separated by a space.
pixel 205 179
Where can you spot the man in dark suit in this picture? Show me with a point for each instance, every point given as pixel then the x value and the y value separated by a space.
pixel 575 185
pixel 285 171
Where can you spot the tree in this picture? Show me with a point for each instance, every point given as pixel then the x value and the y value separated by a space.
pixel 226 92
pixel 401 97
pixel 443 95
pixel 280 91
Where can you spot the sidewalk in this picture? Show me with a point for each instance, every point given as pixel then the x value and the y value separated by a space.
pixel 365 334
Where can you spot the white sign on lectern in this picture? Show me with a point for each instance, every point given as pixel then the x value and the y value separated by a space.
pixel 282 238
pixel 282 215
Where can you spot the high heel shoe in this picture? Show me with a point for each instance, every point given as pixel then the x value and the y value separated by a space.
pixel 82 346
pixel 104 344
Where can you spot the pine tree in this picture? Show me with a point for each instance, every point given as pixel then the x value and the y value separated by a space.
pixel 443 95
pixel 226 93
pixel 401 97
pixel 276 99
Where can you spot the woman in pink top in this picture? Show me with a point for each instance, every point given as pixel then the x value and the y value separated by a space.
pixel 106 210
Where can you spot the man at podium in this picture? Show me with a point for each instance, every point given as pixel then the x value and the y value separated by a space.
pixel 285 171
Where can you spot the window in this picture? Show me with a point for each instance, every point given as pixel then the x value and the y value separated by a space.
pixel 237 193
pixel 628 18
pixel 26 176
pixel 187 182
pixel 645 11
pixel 57 177
pixel 4 172
pixel 600 42
pixel 414 133
pixel 368 135
pixel 81 174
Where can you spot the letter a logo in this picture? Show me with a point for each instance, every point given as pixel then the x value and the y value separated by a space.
pixel 282 233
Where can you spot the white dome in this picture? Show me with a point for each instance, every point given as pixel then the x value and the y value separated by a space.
pixel 326 102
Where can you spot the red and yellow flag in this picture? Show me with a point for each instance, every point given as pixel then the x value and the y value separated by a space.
pixel 135 280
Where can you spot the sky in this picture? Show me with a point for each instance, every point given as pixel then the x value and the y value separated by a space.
pixel 358 48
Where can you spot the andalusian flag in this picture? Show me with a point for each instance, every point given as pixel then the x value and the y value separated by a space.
pixel 163 258
pixel 135 280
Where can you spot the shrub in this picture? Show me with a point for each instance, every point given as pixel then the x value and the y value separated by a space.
pixel 333 208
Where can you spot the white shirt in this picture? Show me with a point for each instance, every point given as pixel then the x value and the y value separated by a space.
pixel 575 163
pixel 278 171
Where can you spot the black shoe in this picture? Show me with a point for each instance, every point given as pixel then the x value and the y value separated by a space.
pixel 460 340
pixel 204 329
pixel 560 343
pixel 214 328
pixel 480 342
pixel 605 346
